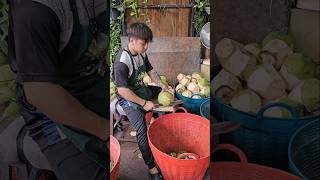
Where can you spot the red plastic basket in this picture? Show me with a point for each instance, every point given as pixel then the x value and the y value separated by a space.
pixel 148 116
pixel 243 170
pixel 180 132
pixel 115 157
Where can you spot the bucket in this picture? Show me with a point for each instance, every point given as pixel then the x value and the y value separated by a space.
pixel 244 170
pixel 304 151
pixel 192 105
pixel 180 132
pixel 205 109
pixel 115 157
pixel 264 139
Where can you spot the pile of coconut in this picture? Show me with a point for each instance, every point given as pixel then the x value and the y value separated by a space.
pixel 193 86
pixel 254 75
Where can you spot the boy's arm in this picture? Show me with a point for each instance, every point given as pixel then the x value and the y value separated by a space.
pixel 156 78
pixel 62 107
pixel 131 96
pixel 36 64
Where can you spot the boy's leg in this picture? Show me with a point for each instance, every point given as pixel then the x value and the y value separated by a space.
pixel 69 163
pixel 137 120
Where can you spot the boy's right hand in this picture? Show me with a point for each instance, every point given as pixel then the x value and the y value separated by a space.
pixel 148 106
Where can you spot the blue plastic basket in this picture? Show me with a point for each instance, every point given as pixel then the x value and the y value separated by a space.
pixel 205 109
pixel 192 105
pixel 264 140
pixel 304 151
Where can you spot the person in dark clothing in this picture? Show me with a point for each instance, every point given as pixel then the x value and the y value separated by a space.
pixel 134 97
pixel 61 81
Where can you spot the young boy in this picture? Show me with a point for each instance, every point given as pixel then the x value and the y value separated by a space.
pixel 61 95
pixel 134 97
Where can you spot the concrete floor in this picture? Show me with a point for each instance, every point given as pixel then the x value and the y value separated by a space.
pixel 131 166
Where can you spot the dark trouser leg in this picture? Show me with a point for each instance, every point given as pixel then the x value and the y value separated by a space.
pixel 137 120
pixel 69 163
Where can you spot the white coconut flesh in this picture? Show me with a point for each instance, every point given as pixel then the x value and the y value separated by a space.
pixel 247 101
pixel 236 63
pixel 266 81
pixel 291 80
pixel 280 49
pixel 296 93
pixel 225 78
pixel 193 87
pixel 252 48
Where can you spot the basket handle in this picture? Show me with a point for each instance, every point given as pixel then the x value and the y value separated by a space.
pixel 234 149
pixel 180 108
pixel 294 112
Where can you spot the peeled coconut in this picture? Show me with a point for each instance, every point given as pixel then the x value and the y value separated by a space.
pixel 253 48
pixel 203 82
pixel 186 93
pixel 282 112
pixel 194 80
pixel 185 81
pixel 280 36
pixel 180 76
pixel 307 93
pixel 196 75
pixel 247 101
pixel 225 85
pixel 193 87
pixel 267 82
pixel 180 88
pixel 239 63
pixel 165 98
pixel 297 67
pixel 205 90
pixel 279 49
pixel 226 47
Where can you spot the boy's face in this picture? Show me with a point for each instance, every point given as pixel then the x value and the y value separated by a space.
pixel 139 45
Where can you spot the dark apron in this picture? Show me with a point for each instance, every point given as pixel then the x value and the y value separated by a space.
pixel 80 77
pixel 135 82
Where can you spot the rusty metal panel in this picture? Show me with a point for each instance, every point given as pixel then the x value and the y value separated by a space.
pixel 173 55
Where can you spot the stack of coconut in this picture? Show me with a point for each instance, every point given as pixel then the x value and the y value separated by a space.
pixel 254 75
pixel 8 105
pixel 194 86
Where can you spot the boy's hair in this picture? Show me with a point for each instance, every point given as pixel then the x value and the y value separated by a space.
pixel 140 31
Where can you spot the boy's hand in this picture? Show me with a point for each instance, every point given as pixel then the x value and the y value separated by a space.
pixel 168 89
pixel 148 106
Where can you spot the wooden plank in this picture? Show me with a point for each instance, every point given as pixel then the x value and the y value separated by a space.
pixel 173 55
pixel 247 20
pixel 164 22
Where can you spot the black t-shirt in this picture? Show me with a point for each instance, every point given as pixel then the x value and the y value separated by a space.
pixel 34 53
pixel 123 68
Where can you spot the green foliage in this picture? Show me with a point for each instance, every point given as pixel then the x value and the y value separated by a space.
pixel 4 26
pixel 200 16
